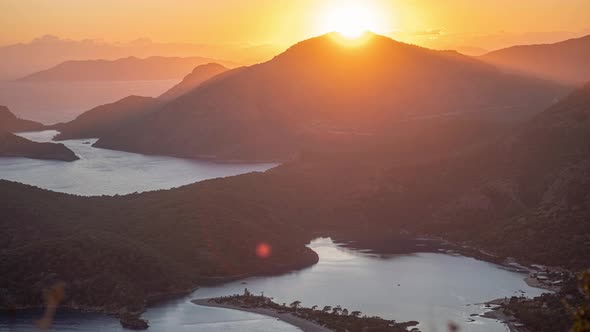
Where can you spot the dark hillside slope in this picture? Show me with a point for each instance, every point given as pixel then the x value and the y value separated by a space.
pixel 118 252
pixel 512 196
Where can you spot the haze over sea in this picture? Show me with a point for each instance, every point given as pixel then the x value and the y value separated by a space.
pixel 52 102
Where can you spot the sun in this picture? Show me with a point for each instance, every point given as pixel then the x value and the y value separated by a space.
pixel 351 20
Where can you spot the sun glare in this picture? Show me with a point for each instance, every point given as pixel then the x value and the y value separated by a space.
pixel 351 20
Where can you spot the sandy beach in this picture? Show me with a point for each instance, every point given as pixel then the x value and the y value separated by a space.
pixel 304 325
pixel 533 282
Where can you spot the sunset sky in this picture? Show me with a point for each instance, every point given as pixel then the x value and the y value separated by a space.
pixel 442 24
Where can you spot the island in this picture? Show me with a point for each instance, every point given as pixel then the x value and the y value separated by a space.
pixel 314 319
pixel 15 146
pixel 133 322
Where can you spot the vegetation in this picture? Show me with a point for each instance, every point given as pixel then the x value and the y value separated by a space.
pixel 115 252
pixel 566 310
pixel 334 318
pixel 509 194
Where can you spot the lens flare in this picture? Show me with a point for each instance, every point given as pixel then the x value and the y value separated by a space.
pixel 263 250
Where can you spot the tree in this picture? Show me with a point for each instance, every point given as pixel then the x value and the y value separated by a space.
pixel 327 309
pixel 582 314
pixel 314 307
pixel 336 310
pixel 345 312
pixel 355 313
pixel 295 305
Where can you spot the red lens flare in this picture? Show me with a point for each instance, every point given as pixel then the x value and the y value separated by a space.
pixel 263 250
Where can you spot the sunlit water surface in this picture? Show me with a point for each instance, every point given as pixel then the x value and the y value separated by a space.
pixel 109 172
pixel 432 288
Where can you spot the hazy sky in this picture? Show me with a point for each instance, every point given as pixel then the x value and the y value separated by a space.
pixel 283 22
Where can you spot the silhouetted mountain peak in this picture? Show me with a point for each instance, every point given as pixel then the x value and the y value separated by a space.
pixel 322 87
pixel 334 44
pixel 207 66
pixel 372 53
pixel 199 75
pixel 6 114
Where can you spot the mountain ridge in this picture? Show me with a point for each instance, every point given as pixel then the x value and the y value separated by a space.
pixel 199 75
pixel 123 69
pixel 564 61
pixel 265 111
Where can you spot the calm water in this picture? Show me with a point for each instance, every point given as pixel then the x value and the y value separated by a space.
pixel 51 102
pixel 108 172
pixel 433 289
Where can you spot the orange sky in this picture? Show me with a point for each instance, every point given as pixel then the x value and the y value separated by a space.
pixel 435 23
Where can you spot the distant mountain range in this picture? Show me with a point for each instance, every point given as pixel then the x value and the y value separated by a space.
pixel 321 86
pixel 127 69
pixel 565 61
pixel 19 60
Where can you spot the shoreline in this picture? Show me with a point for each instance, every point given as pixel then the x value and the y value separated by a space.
pixel 499 315
pixel 286 317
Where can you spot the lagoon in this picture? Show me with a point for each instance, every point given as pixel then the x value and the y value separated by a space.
pixel 109 172
pixel 432 288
